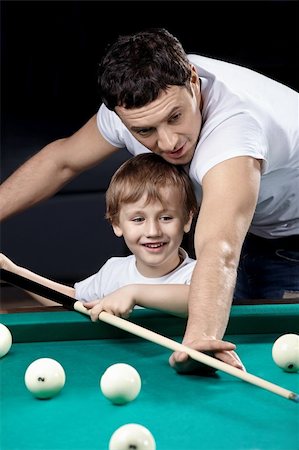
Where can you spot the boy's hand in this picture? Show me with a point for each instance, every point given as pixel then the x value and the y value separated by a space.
pixel 120 303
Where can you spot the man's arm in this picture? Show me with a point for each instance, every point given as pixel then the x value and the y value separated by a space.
pixel 7 264
pixel 52 167
pixel 230 192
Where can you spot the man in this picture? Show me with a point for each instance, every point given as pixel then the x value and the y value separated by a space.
pixel 236 132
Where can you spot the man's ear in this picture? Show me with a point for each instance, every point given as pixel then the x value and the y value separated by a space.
pixel 187 225
pixel 194 76
pixel 117 230
pixel 195 84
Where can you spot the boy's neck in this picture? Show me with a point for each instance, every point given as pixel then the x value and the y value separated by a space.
pixel 149 271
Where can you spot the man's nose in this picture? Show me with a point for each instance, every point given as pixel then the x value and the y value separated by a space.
pixel 166 140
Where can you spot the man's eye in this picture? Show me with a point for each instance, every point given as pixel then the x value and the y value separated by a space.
pixel 175 118
pixel 144 131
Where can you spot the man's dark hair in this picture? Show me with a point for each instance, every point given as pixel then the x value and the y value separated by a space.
pixel 137 67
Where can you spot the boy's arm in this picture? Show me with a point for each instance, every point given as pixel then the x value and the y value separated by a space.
pixel 6 263
pixel 52 167
pixel 171 298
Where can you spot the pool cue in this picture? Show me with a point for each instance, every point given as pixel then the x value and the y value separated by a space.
pixel 73 304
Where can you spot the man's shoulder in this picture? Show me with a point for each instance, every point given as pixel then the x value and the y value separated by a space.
pixel 209 63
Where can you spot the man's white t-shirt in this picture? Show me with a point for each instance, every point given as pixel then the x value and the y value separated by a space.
pixel 122 271
pixel 244 114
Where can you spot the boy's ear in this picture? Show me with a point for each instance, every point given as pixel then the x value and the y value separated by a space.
pixel 117 230
pixel 187 225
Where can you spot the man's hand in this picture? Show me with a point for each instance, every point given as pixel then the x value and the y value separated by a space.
pixel 221 350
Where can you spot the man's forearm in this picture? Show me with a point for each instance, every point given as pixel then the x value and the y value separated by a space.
pixel 51 168
pixel 210 299
pixel 37 179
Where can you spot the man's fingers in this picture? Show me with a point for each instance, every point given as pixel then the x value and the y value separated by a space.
pixel 221 350
pixel 215 345
pixel 182 363
pixel 230 358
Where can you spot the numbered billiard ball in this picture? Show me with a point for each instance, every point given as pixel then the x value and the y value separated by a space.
pixel 132 436
pixel 5 340
pixel 45 377
pixel 285 352
pixel 120 383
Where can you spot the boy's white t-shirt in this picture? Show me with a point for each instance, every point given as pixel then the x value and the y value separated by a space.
pixel 244 114
pixel 122 271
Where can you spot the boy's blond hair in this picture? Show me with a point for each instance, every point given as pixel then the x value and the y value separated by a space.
pixel 147 174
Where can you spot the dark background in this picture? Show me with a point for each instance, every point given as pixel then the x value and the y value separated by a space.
pixel 49 57
pixel 50 50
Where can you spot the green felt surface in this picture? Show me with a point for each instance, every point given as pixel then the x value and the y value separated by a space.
pixel 69 325
pixel 182 412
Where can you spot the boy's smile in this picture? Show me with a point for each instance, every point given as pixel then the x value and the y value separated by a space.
pixel 154 232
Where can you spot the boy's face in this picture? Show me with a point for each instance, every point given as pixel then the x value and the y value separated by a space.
pixel 170 125
pixel 153 232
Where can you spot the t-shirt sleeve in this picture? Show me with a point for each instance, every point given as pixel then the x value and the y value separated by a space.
pixel 189 271
pixel 110 126
pixel 91 288
pixel 239 135
pixel 182 275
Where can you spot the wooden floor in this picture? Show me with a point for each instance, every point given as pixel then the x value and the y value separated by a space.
pixel 13 299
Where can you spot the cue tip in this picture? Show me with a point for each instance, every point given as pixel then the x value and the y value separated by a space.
pixel 295 397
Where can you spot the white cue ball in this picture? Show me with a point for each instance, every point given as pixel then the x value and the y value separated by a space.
pixel 5 340
pixel 132 436
pixel 120 383
pixel 44 377
pixel 285 352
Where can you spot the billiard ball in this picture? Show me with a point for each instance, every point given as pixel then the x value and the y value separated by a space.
pixel 120 383
pixel 44 377
pixel 5 340
pixel 285 352
pixel 132 436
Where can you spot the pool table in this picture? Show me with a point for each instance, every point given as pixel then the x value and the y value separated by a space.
pixel 183 412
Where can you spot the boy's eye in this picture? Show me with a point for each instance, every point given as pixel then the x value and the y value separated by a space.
pixel 137 219
pixel 166 218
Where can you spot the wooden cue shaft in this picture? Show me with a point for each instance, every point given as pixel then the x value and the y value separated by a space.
pixel 194 354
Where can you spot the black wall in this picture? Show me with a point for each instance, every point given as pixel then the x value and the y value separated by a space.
pixel 50 50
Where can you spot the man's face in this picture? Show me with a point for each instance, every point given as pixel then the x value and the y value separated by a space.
pixel 170 125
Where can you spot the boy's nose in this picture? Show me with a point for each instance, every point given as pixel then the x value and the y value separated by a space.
pixel 153 228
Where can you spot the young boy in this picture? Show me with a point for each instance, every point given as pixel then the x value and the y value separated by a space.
pixel 151 204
